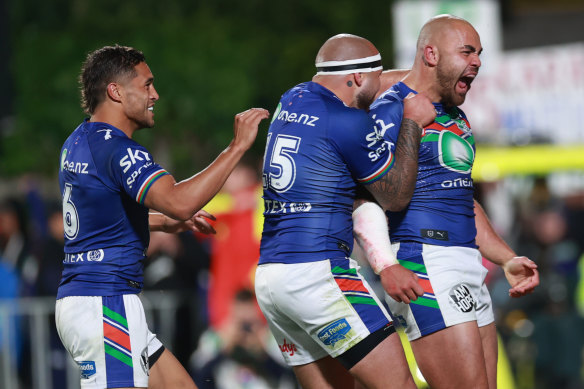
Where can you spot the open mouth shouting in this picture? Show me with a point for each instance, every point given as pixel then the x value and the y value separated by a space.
pixel 463 84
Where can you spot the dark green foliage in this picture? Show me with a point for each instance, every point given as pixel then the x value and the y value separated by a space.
pixel 210 59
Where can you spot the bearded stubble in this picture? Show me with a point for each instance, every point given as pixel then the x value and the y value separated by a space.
pixel 447 79
pixel 364 99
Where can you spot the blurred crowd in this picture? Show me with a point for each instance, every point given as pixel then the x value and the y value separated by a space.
pixel 220 334
pixel 543 332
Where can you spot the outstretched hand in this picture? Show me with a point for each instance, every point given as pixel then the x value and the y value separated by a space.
pixel 522 274
pixel 400 283
pixel 198 223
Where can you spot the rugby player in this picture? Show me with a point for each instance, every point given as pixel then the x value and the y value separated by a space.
pixel 109 182
pixel 443 233
pixel 321 144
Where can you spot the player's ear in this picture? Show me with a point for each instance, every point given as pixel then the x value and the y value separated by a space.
pixel 113 92
pixel 358 77
pixel 430 55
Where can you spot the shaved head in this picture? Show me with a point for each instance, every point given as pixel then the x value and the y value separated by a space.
pixel 447 59
pixel 345 47
pixel 437 30
pixel 349 66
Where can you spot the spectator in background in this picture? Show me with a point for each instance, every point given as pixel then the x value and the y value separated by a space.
pixel 174 261
pixel 543 333
pixel 558 329
pixel 174 264
pixel 241 353
pixel 9 286
pixel 14 244
pixel 20 271
pixel 235 249
pixel 51 254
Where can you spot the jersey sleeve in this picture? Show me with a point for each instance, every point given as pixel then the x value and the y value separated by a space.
pixel 368 155
pixel 387 115
pixel 134 170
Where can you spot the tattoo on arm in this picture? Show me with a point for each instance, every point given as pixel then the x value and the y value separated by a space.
pixel 394 190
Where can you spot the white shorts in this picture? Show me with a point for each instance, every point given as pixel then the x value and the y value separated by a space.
pixel 453 279
pixel 108 338
pixel 319 308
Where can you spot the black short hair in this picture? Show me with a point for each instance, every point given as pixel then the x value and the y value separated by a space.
pixel 102 66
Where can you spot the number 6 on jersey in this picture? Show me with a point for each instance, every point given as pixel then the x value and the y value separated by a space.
pixel 70 215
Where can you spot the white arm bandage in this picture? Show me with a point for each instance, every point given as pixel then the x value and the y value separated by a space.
pixel 371 233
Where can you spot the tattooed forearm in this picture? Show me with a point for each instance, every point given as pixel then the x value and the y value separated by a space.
pixel 394 191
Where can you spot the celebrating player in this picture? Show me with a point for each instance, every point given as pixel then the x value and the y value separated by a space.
pixel 320 145
pixel 108 183
pixel 451 327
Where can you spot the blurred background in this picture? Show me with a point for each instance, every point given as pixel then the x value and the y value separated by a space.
pixel 213 59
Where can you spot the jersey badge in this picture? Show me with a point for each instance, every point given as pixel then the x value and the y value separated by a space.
pixel 456 154
pixel 107 133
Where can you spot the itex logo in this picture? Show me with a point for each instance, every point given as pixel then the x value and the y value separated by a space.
pixel 456 154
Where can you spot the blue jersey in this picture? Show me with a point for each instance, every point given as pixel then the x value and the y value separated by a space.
pixel 317 150
pixel 104 178
pixel 441 211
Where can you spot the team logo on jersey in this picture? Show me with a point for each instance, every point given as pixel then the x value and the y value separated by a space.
pixel 461 298
pixel 300 207
pixel 87 369
pixel 107 133
pixel 63 159
pixel 462 125
pixel 334 332
pixel 95 255
pixel 434 234
pixel 275 115
pixel 455 153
